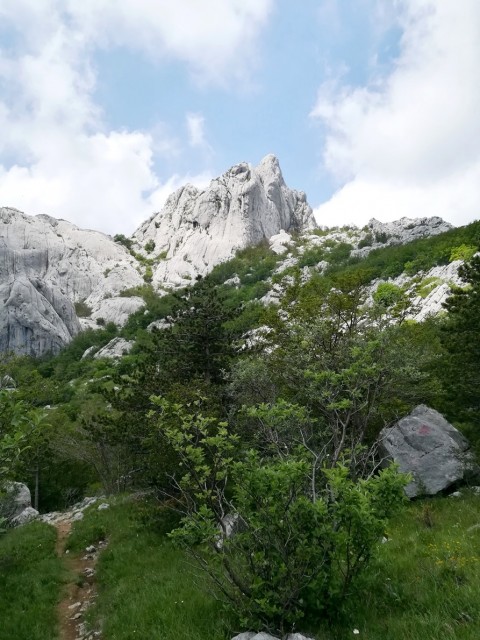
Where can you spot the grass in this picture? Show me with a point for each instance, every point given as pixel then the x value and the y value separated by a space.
pixel 31 576
pixel 425 583
pixel 147 588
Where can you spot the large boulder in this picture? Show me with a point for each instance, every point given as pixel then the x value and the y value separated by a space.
pixel 16 503
pixel 26 516
pixel 428 447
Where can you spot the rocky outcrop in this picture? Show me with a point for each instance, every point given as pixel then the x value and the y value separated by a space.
pixel 116 348
pixel 428 447
pixel 407 229
pixel 198 229
pixel 16 504
pixel 116 310
pixel 48 265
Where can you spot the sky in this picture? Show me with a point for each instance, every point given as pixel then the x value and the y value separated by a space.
pixel 371 106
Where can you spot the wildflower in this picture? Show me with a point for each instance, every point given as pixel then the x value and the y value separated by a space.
pixel 356 632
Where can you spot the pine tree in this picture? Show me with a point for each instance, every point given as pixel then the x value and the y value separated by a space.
pixel 460 338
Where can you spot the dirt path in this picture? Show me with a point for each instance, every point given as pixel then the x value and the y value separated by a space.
pixel 80 592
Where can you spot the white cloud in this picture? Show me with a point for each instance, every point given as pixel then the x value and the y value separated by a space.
pixel 410 144
pixel 57 155
pixel 216 38
pixel 196 129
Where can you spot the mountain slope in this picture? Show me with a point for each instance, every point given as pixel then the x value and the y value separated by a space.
pixel 50 268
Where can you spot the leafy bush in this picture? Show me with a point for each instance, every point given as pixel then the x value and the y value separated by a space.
pixel 381 236
pixel 149 246
pixel 83 310
pixel 366 241
pixel 121 239
pixel 387 294
pixel 304 532
pixel 148 275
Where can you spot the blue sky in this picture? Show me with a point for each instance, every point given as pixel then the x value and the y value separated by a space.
pixel 371 106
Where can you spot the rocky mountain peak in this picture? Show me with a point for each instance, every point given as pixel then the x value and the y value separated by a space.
pixel 198 229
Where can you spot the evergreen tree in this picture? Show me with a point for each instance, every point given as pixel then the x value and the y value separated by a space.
pixel 460 363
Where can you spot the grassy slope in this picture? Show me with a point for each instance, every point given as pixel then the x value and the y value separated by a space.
pixel 30 582
pixel 147 588
pixel 424 584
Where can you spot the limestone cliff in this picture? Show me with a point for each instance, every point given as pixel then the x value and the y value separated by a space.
pixel 48 265
pixel 198 229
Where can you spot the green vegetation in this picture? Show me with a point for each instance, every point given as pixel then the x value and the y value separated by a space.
pixel 419 255
pixel 366 241
pixel 146 585
pixel 82 310
pixel 463 252
pixel 149 246
pixel 307 529
pixel 427 285
pixel 148 275
pixel 121 239
pixel 459 364
pixel 278 429
pixel 425 581
pixel 31 577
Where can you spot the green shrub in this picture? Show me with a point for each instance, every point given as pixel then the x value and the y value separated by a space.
pixel 463 252
pixel 366 241
pixel 121 239
pixel 387 294
pixel 149 246
pixel 381 236
pixel 83 310
pixel 148 276
pixel 305 533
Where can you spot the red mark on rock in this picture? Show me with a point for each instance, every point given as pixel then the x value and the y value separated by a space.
pixel 424 430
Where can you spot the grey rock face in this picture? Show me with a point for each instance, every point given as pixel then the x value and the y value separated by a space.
pixel 16 504
pixel 198 229
pixel 47 265
pixel 26 516
pixel 117 310
pixel 18 497
pixel 7 383
pixel 408 229
pixel 430 448
pixel 116 348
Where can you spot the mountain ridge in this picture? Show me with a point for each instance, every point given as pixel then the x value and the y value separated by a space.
pixel 57 279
